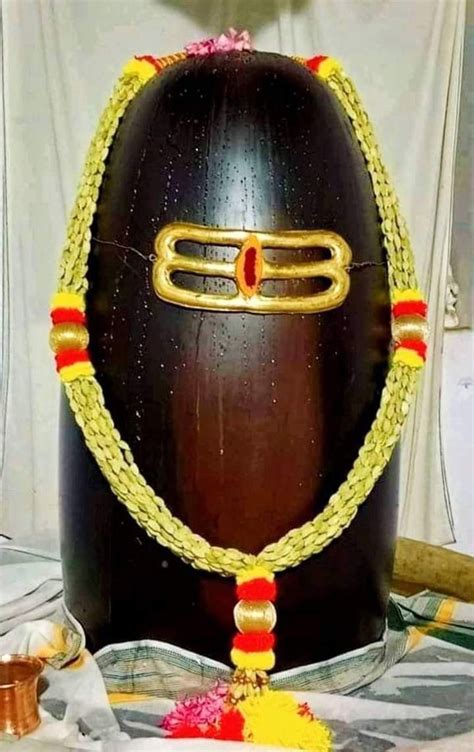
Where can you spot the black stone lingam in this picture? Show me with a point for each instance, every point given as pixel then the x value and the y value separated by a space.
pixel 244 423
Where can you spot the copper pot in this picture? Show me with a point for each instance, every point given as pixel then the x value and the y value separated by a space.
pixel 19 676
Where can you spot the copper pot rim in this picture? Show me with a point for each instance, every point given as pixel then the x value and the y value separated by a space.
pixel 36 664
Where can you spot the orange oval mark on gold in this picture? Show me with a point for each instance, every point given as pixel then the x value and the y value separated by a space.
pixel 249 266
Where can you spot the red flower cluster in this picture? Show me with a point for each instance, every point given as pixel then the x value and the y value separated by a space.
pixel 229 727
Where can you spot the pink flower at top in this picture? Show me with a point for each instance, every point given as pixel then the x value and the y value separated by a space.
pixel 204 47
pixel 227 42
pixel 203 710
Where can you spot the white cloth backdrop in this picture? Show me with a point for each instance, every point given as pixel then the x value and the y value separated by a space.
pixel 61 59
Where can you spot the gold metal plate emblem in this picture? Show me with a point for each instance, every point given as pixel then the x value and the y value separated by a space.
pixel 250 269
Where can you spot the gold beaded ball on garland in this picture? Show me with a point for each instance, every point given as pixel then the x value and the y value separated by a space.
pixel 68 336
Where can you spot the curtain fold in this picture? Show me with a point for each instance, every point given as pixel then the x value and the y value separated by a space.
pixel 460 306
pixel 61 59
pixel 424 476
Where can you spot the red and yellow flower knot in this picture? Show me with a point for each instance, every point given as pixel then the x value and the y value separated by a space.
pixel 410 327
pixel 69 337
pixel 255 618
pixel 323 66
pixel 144 67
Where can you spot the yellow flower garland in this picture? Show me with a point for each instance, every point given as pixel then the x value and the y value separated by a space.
pixel 85 395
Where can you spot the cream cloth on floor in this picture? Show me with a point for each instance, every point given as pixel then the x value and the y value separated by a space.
pixel 414 685
pixel 426 696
